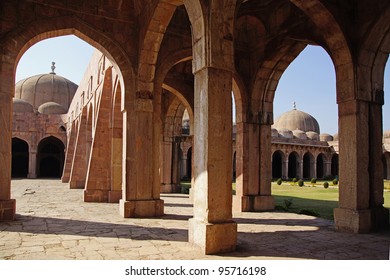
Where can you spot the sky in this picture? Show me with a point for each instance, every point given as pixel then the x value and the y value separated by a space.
pixel 309 81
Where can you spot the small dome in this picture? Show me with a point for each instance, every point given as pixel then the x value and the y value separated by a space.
pixel 297 120
pixel 44 88
pixel 326 137
pixel 52 108
pixel 286 133
pixel 21 106
pixel 336 137
pixel 313 135
pixel 299 134
pixel 274 132
pixel 386 134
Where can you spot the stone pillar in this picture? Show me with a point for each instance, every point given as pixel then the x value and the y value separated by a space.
pixel 166 166
pixel 98 179
pixel 285 169
pixel 327 168
pixel 176 165
pixel 360 182
pixel 115 194
pixel 183 166
pixel 32 164
pixel 140 187
pixel 79 169
pixel 313 172
pixel 68 163
pixel 212 228
pixel 254 166
pixel 300 168
pixel 7 205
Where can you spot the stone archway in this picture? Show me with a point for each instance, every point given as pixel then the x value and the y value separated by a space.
pixel 293 165
pixel 20 158
pixel 320 166
pixel 277 165
pixel 307 165
pixel 50 158
pixel 335 165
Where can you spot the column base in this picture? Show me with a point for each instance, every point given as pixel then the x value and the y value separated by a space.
pixel 96 196
pixel 355 221
pixel 380 218
pixel 31 176
pixel 7 210
pixel 114 196
pixel 65 179
pixel 141 208
pixel 213 238
pixel 170 188
pixel 251 203
pixel 77 184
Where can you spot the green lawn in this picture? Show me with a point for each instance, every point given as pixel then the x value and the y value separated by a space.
pixel 318 199
pixel 311 200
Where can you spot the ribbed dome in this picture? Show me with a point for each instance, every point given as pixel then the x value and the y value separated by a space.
pixel 40 89
pixel 52 108
pixel 299 134
pixel 326 137
pixel 386 134
pixel 297 120
pixel 21 106
pixel 313 135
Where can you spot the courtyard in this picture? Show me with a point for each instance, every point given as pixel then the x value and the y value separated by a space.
pixel 53 222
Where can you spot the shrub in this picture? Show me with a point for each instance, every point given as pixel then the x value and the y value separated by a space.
pixel 300 183
pixel 279 181
pixel 313 180
pixel 335 182
pixel 326 185
pixel 294 180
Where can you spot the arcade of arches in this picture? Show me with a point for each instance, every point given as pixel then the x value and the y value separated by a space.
pixel 123 126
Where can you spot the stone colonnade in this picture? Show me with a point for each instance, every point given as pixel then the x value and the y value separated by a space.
pixel 219 56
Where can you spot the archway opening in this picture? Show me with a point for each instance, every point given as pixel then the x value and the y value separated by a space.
pixel 335 165
pixel 307 166
pixel 277 165
pixel 320 166
pixel 50 158
pixel 293 165
pixel 20 158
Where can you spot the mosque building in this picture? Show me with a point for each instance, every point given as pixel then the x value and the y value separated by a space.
pixel 39 136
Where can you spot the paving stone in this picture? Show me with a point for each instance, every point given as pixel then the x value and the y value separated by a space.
pixel 72 229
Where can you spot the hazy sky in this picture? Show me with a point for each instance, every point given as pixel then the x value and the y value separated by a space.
pixel 309 80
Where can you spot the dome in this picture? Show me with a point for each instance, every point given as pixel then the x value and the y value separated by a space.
pixel 274 132
pixel 299 134
pixel 51 108
pixel 336 137
pixel 21 106
pixel 286 133
pixel 40 89
pixel 386 134
pixel 313 135
pixel 326 137
pixel 297 120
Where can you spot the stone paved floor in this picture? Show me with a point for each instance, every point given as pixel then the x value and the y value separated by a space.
pixel 54 223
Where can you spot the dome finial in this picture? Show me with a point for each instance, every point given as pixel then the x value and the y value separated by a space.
pixel 294 106
pixel 53 68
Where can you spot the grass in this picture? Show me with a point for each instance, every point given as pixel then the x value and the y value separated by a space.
pixel 317 199
pixel 312 199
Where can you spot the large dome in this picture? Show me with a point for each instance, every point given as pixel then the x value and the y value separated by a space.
pixel 44 88
pixel 297 120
